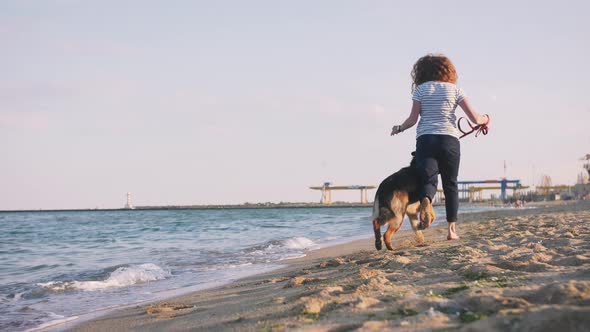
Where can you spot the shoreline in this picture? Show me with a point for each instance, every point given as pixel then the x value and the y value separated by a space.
pixel 165 314
pixel 206 207
pixel 285 205
pixel 259 251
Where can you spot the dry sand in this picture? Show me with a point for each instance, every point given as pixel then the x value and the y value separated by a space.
pixel 514 270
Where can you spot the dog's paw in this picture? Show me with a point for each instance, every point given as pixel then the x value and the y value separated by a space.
pixel 423 225
pixel 426 214
pixel 426 219
pixel 419 237
pixel 378 245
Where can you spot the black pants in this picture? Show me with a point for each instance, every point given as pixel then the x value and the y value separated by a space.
pixel 439 154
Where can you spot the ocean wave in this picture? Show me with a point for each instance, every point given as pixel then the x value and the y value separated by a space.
pixel 121 277
pixel 280 249
pixel 54 319
pixel 298 243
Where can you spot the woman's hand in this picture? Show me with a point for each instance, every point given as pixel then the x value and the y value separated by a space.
pixel 396 130
pixel 410 121
pixel 472 115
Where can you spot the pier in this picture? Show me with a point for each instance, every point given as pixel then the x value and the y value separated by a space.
pixel 469 190
pixel 327 192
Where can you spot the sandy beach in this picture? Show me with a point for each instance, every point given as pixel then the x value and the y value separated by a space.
pixel 515 269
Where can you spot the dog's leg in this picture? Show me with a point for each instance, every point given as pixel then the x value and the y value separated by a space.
pixel 399 203
pixel 377 229
pixel 412 212
pixel 376 224
pixel 394 225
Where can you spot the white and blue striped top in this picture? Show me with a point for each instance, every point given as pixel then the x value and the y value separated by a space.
pixel 438 102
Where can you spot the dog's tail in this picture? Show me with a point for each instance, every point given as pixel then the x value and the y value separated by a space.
pixel 376 206
pixel 381 213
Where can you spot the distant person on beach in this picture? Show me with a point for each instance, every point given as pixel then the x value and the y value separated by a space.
pixel 435 98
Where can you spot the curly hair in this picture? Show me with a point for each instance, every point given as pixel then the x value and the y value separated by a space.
pixel 433 67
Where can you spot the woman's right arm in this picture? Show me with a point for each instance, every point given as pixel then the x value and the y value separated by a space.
pixel 472 115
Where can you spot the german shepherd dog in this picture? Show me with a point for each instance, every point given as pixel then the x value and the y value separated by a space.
pixel 396 196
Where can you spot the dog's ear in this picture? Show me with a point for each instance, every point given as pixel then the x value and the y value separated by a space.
pixel 413 153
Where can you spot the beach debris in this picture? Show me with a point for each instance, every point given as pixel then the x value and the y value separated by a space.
pixel 363 302
pixel 373 325
pixel 576 260
pixel 450 307
pixel 166 306
pixel 530 266
pixel 545 318
pixel 434 317
pixel 296 281
pixel 432 294
pixel 431 312
pixel 541 257
pixel 489 302
pixel 368 273
pixel 312 305
pixel 406 312
pixel 477 271
pixel 396 263
pixel 333 262
pixel 536 246
pixel 377 283
pixel 169 309
pixel 277 280
pixel 572 292
pixel 327 291
pixel 453 290
pixel 468 317
pixel 401 260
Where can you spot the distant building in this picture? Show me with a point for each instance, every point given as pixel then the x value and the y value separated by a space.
pixel 582 178
pixel 582 191
pixel 128 205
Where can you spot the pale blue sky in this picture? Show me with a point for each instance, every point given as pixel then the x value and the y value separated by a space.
pixel 196 102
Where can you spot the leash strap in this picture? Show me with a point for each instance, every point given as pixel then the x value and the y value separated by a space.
pixel 478 129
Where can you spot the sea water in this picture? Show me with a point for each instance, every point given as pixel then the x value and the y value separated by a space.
pixel 59 266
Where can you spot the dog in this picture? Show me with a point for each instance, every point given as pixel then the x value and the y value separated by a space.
pixel 396 196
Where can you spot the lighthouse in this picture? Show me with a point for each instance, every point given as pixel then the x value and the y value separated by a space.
pixel 129 205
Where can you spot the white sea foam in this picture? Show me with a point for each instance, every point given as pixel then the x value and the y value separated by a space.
pixel 18 296
pixel 299 243
pixel 233 266
pixel 278 250
pixel 55 320
pixel 121 277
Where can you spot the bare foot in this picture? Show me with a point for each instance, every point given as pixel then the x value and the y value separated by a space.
pixel 452 234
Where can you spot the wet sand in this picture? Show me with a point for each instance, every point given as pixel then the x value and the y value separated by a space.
pixel 518 269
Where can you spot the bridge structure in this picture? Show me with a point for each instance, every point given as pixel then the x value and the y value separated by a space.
pixel 587 164
pixel 327 188
pixel 469 189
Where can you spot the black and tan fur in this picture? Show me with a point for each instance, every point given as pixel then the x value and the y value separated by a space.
pixel 396 196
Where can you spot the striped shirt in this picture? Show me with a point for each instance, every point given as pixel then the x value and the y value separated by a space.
pixel 438 101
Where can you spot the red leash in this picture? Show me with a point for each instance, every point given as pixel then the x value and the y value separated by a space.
pixel 478 129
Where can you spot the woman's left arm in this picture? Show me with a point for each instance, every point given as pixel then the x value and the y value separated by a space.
pixel 410 121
